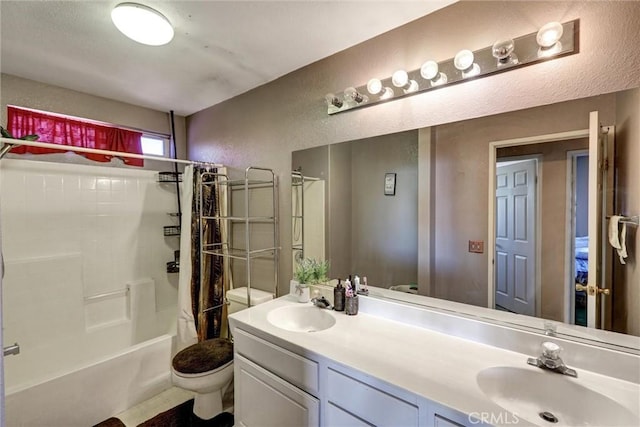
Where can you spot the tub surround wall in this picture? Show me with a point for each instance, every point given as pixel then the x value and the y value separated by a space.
pixel 72 232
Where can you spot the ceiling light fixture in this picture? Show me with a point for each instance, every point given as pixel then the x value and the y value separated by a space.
pixel 551 41
pixel 142 24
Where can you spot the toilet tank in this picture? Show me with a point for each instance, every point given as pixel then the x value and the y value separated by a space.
pixel 238 298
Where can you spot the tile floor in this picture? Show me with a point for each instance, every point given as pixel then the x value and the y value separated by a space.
pixel 164 401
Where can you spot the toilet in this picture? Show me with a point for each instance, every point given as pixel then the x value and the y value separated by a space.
pixel 207 367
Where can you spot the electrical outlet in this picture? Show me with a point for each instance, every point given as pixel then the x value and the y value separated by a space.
pixel 476 246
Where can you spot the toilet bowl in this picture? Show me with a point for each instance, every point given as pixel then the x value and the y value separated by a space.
pixel 206 368
pixel 209 387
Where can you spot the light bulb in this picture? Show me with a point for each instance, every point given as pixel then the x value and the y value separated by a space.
pixel 549 34
pixel 463 61
pixel 142 24
pixel 502 50
pixel 351 94
pixel 429 71
pixel 333 100
pixel 374 86
pixel 401 79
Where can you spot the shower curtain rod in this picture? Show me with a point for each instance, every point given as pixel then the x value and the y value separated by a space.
pixel 8 144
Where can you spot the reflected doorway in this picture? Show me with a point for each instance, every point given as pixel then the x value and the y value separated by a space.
pixel 516 230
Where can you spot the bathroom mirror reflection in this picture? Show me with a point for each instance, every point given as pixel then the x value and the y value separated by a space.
pixel 443 252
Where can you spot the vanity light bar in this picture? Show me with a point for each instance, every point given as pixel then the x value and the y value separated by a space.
pixel 552 41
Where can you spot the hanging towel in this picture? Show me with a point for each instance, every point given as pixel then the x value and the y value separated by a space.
pixel 617 237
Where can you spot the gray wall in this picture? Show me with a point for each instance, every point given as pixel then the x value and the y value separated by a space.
pixel 384 229
pixel 264 125
pixel 31 94
pixel 626 292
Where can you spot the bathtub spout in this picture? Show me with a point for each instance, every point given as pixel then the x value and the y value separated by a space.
pixel 12 350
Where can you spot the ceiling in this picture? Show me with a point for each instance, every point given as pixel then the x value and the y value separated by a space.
pixel 221 48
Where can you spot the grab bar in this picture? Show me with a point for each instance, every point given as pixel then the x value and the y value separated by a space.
pixel 11 350
pixel 124 291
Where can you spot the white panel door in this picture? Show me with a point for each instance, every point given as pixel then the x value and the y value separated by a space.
pixel 515 257
pixel 265 400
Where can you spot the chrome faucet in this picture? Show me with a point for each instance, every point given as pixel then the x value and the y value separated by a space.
pixel 550 359
pixel 321 302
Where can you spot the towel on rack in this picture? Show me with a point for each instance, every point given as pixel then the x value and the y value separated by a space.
pixel 617 237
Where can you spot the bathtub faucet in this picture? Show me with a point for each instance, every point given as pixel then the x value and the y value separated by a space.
pixel 12 350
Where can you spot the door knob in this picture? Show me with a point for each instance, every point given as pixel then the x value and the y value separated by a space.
pixel 591 289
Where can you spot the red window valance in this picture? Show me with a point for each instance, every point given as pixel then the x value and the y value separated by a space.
pixel 65 131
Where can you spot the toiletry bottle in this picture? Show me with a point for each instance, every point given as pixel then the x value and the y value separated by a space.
pixel 356 284
pixel 338 297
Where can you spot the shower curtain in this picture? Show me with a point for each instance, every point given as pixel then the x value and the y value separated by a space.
pixel 194 294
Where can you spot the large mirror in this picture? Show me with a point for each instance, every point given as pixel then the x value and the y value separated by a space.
pixel 417 212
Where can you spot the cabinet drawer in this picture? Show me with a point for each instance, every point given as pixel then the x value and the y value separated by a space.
pixel 296 369
pixel 369 403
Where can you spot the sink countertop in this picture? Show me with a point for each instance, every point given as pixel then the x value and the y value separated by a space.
pixel 439 367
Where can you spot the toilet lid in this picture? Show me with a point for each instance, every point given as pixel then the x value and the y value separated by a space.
pixel 204 356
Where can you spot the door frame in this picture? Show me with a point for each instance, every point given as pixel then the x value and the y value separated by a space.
pixel 538 213
pixel 491 243
pixel 570 227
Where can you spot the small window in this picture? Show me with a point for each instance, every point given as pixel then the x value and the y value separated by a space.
pixel 153 146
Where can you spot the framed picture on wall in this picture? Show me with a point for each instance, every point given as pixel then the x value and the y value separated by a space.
pixel 390 184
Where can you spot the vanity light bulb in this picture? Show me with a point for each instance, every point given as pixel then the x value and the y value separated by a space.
pixel 430 71
pixel 400 78
pixel 463 59
pixel 502 50
pixel 333 100
pixel 374 86
pixel 351 94
pixel 549 34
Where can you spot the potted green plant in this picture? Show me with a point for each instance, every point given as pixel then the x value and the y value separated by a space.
pixel 309 272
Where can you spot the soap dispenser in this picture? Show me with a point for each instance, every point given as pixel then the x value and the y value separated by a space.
pixel 338 297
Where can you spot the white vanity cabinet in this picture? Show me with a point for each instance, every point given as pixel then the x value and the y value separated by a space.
pixel 277 387
pixel 353 400
pixel 273 387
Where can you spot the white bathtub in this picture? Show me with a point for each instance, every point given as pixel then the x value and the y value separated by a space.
pixel 92 393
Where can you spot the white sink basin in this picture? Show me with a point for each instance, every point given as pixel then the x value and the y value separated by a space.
pixel 305 318
pixel 528 393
